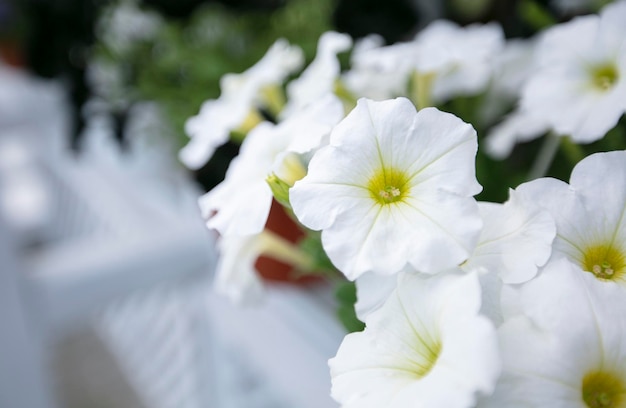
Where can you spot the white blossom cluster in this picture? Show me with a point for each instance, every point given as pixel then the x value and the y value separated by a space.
pixel 465 303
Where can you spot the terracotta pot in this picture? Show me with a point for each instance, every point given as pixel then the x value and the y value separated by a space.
pixel 270 269
pixel 11 54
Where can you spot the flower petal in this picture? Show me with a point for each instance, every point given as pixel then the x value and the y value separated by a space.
pixel 426 346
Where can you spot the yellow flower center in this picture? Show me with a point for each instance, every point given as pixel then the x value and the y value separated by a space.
pixel 603 77
pixel 604 261
pixel 388 185
pixel 603 389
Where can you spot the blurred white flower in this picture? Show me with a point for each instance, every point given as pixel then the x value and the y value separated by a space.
pixel 318 79
pixel 236 276
pixel 449 61
pixel 243 199
pixel 212 126
pixel 126 23
pixel 518 126
pixel 460 58
pixel 579 85
pixel 511 68
pixel 567 350
pixel 241 95
pixel 394 187
pixel 378 72
pixel 589 214
pixel 428 346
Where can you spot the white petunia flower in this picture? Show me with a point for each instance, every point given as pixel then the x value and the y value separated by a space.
pixel 426 347
pixel 243 199
pixel 372 291
pixel 567 350
pixel 589 214
pixel 579 85
pixel 394 187
pixel 318 79
pixel 240 95
pixel 515 241
pixel 460 58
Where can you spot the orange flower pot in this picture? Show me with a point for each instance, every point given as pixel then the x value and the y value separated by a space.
pixel 280 223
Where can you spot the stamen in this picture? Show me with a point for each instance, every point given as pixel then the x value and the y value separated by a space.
pixel 603 271
pixel 389 193
pixel 604 77
pixel 388 186
pixel 606 262
pixel 603 389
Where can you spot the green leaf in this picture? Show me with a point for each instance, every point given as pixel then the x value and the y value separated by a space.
pixel 312 245
pixel 280 190
pixel 345 293
pixel 535 15
pixel 348 318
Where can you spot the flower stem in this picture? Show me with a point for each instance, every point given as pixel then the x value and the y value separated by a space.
pixel 421 88
pixel 252 119
pixel 347 98
pixel 274 98
pixel 545 157
pixel 573 151
pixel 285 251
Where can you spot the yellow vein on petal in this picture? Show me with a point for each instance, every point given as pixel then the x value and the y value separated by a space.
pixel 415 331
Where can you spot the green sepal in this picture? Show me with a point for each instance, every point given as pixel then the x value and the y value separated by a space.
pixel 280 190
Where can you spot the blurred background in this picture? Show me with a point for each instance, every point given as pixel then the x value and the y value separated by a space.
pixel 118 54
pixel 105 280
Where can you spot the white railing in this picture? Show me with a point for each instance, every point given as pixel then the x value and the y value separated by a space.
pixel 101 240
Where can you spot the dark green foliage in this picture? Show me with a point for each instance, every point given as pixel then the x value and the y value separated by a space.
pixel 346 297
